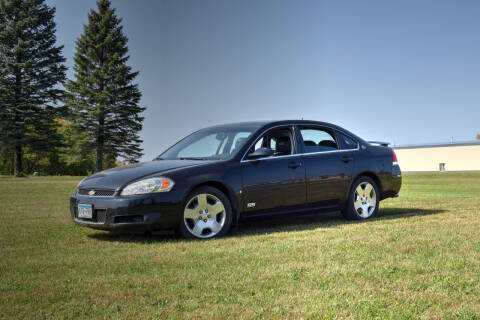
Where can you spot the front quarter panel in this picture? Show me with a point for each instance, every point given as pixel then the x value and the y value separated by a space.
pixel 161 210
pixel 220 173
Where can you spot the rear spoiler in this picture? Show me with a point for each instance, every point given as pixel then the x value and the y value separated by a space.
pixel 379 143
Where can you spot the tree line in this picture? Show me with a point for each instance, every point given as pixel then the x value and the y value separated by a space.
pixel 53 125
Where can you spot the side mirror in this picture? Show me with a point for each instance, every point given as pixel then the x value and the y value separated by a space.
pixel 261 153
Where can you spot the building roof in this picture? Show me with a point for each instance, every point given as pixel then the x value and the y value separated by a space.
pixel 436 145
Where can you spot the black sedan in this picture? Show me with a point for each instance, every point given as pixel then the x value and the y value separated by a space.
pixel 207 182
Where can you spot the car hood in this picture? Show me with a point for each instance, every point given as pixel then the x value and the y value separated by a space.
pixel 117 177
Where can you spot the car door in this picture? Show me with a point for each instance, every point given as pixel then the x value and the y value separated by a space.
pixel 274 183
pixel 328 168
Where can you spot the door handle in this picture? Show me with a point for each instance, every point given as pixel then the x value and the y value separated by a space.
pixel 294 165
pixel 347 159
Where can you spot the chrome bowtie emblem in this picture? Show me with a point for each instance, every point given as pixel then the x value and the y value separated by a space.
pixel 91 192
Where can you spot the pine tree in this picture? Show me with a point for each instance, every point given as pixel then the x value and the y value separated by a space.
pixel 103 98
pixel 31 68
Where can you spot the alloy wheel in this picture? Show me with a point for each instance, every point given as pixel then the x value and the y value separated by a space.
pixel 365 199
pixel 204 215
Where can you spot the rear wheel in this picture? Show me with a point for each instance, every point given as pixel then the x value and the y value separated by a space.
pixel 363 200
pixel 207 214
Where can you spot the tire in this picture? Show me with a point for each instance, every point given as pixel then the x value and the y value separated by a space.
pixel 207 213
pixel 362 204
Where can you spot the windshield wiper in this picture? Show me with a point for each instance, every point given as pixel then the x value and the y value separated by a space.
pixel 158 158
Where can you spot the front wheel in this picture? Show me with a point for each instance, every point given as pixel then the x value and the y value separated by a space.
pixel 363 200
pixel 207 214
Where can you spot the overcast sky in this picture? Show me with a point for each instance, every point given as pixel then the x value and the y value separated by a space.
pixel 399 71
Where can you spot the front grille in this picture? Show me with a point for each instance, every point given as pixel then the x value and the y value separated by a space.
pixel 98 192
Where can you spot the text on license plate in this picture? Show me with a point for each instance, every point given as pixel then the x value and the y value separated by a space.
pixel 84 211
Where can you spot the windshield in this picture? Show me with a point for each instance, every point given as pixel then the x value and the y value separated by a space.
pixel 209 144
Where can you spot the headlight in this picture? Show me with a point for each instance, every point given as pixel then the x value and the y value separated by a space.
pixel 159 184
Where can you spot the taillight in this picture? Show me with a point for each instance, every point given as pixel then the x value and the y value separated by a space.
pixel 394 156
pixel 395 166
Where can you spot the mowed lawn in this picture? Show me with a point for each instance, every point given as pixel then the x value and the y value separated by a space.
pixel 419 259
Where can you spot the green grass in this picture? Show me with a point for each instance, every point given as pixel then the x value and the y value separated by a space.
pixel 419 259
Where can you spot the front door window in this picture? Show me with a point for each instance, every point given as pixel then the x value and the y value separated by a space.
pixel 279 140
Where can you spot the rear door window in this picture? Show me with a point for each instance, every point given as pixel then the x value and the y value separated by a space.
pixel 318 140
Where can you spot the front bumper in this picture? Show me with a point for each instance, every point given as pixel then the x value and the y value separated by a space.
pixel 133 213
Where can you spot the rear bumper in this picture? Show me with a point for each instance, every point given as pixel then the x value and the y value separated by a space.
pixel 392 183
pixel 137 213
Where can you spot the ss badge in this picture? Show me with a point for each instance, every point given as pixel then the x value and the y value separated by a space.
pixel 251 205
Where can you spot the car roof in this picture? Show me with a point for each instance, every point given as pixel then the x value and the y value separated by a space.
pixel 272 122
pixel 265 124
pixel 269 123
pixel 252 124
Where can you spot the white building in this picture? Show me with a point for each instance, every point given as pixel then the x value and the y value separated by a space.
pixel 463 156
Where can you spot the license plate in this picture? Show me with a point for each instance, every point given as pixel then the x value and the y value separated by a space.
pixel 85 211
